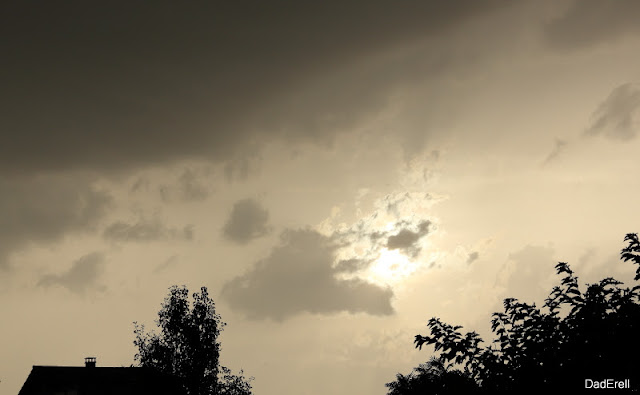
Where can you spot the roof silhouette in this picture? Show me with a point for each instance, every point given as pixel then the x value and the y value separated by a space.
pixel 77 380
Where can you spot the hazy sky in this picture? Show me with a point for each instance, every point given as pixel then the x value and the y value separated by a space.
pixel 336 173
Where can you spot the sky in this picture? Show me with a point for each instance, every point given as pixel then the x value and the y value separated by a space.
pixel 335 173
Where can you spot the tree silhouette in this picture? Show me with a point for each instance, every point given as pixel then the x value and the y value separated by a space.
pixel 578 336
pixel 434 377
pixel 187 345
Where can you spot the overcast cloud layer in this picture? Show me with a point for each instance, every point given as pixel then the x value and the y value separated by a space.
pixel 129 84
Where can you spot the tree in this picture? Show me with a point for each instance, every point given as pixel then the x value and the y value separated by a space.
pixel 187 346
pixel 578 336
pixel 432 377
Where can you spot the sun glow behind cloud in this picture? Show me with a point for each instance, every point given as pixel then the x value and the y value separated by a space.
pixel 387 245
pixel 390 268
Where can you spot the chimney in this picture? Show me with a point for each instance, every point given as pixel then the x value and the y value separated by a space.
pixel 90 362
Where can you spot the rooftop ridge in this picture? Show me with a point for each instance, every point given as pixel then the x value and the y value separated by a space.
pixel 83 367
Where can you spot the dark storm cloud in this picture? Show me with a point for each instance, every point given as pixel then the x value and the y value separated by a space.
pixel 297 277
pixel 81 277
pixel 145 230
pixel 120 84
pixel 248 220
pixel 591 22
pixel 44 208
pixel 615 118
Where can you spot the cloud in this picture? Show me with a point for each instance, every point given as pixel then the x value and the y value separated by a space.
pixel 399 221
pixel 406 239
pixel 241 167
pixel 247 221
pixel 81 277
pixel 351 265
pixel 145 230
pixel 44 208
pixel 369 239
pixel 191 186
pixel 590 22
pixel 615 117
pixel 588 256
pixel 528 274
pixel 141 184
pixel 559 147
pixel 169 262
pixel 185 81
pixel 298 276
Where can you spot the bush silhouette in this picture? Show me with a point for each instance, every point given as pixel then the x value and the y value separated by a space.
pixel 580 335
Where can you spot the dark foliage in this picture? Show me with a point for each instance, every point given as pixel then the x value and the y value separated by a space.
pixel 590 334
pixel 187 346
pixel 433 377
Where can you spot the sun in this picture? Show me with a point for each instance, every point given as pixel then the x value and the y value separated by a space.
pixel 390 268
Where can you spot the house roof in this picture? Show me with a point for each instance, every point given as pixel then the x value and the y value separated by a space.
pixel 72 380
